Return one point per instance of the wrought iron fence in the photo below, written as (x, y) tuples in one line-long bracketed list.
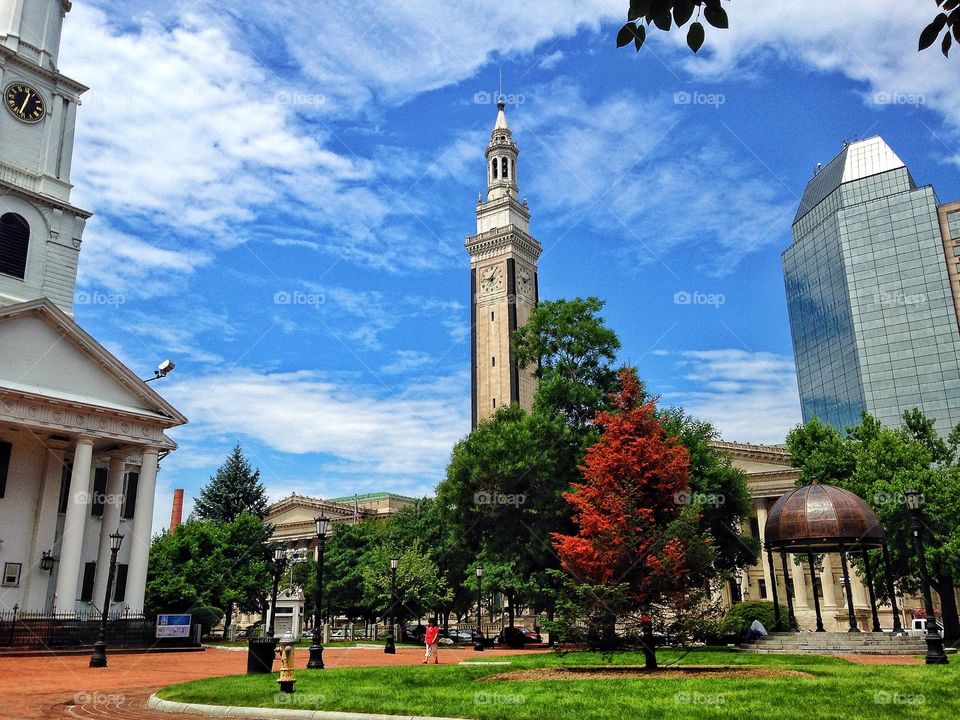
[(51, 630)]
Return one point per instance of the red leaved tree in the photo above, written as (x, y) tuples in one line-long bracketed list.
[(631, 549)]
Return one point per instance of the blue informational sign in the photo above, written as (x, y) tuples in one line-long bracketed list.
[(173, 626)]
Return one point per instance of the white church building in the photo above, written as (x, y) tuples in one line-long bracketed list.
[(80, 434)]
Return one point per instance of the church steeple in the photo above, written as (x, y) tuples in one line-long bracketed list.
[(502, 154)]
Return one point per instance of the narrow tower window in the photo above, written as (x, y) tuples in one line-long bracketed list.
[(491, 316), (503, 166), (494, 403), (493, 361), (14, 241), (494, 168)]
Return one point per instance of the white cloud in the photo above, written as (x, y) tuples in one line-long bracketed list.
[(407, 432), (871, 42), (634, 167), (747, 396)]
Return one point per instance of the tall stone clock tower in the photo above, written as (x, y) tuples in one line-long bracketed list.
[(503, 281), (40, 231)]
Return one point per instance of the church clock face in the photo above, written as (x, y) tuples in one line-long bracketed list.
[(491, 279), (25, 102)]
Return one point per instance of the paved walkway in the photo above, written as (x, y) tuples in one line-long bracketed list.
[(65, 687)]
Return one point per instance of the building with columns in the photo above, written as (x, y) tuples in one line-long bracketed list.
[(81, 435), (503, 281), (769, 476)]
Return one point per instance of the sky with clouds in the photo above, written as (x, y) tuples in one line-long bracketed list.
[(282, 191)]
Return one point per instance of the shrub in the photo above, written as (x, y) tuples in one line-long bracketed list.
[(206, 616), (739, 618)]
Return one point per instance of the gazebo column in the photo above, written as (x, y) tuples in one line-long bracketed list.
[(846, 585), (873, 596), (826, 582), (891, 591), (816, 599), (799, 586), (773, 587), (786, 582)]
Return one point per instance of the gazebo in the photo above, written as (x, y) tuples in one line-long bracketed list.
[(821, 518)]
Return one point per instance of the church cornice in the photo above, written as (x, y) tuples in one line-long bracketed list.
[(42, 199), (500, 241), (57, 78)]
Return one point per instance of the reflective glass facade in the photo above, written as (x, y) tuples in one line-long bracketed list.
[(871, 310)]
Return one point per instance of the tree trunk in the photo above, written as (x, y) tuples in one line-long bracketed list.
[(948, 609), (510, 613), (551, 642), (649, 648), (227, 618)]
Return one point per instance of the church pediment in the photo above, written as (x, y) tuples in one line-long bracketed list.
[(47, 355)]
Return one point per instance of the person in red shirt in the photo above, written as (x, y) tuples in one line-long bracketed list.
[(432, 639)]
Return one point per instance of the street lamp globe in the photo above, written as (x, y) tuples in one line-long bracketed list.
[(279, 554), (323, 524), (116, 540), (479, 571), (394, 562)]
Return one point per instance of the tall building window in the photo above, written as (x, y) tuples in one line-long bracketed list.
[(762, 586), (5, 449), (130, 483), (14, 242), (494, 165), (86, 587), (754, 528), (503, 167), (493, 361)]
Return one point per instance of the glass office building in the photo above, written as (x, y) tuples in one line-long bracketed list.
[(871, 308)]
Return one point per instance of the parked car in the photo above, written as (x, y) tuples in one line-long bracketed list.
[(517, 637), (462, 635)]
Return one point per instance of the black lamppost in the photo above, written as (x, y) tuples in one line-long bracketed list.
[(316, 648), (478, 646), (935, 653), (391, 648), (99, 657), (277, 567)]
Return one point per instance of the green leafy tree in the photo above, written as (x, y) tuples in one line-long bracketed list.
[(420, 586), (235, 489), (347, 553), (667, 14), (503, 492), (879, 464), (572, 351), (206, 563)]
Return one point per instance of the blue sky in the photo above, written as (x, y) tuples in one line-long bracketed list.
[(332, 155)]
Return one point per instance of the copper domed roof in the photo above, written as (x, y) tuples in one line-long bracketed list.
[(821, 518)]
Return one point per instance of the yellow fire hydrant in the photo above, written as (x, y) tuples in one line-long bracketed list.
[(285, 651)]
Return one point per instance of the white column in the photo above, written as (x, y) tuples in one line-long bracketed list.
[(71, 544), (859, 589), (109, 523), (799, 586), (765, 566), (826, 580), (139, 539)]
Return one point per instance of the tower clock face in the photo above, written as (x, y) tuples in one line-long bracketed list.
[(525, 282), (491, 279), (25, 102)]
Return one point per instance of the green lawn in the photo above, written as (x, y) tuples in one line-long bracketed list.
[(838, 689)]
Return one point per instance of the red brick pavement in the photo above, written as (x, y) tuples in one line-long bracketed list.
[(65, 687)]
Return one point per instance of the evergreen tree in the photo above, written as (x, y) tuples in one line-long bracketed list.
[(234, 489)]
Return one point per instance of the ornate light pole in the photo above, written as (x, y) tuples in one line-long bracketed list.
[(390, 648), (99, 657), (316, 648), (935, 653), (277, 567), (479, 644)]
